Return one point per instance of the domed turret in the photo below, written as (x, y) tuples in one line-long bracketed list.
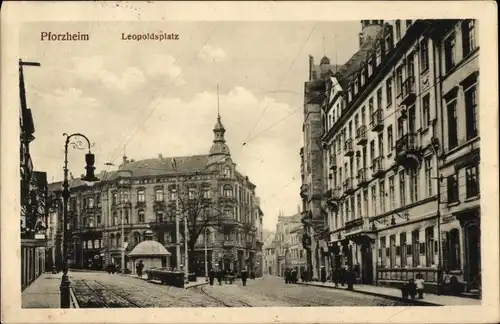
[(219, 149), (324, 60)]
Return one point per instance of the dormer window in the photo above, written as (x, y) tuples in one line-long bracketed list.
[(370, 66), (388, 40), (362, 78), (355, 84)]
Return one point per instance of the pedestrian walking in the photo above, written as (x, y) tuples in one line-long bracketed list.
[(244, 276), (138, 268), (211, 276), (219, 275), (336, 277), (409, 289), (351, 278), (419, 283), (323, 274), (294, 276)]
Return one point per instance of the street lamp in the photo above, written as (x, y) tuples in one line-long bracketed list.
[(77, 143), (206, 252), (439, 178)]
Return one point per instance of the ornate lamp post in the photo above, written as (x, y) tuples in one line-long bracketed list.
[(206, 252), (77, 143)]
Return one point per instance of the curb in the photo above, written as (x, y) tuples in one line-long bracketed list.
[(73, 300), (409, 301), (196, 285)]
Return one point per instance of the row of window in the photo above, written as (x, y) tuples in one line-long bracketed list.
[(375, 197), (471, 110), (408, 251), (469, 44)]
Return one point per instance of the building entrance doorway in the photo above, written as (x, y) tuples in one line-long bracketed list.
[(473, 242), (366, 264)]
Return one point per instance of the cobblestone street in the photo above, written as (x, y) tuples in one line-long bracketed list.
[(97, 290)]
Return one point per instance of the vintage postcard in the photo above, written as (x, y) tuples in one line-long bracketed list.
[(246, 162)]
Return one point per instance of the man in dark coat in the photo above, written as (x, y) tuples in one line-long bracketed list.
[(219, 274), (323, 274), (351, 278), (211, 276), (244, 276), (294, 276)]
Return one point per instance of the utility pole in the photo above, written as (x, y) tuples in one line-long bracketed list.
[(186, 259), (177, 230), (122, 211)]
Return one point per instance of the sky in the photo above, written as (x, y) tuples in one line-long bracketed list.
[(149, 97)]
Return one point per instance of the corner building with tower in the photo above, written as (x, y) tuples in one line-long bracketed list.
[(378, 171), (148, 194)]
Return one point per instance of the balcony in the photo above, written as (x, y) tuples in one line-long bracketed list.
[(378, 166), (305, 218), (332, 197), (358, 230), (304, 191), (89, 228), (361, 138), (306, 241), (348, 147), (140, 204), (348, 187), (230, 244), (249, 245), (159, 205), (408, 153), (229, 221), (333, 162), (362, 177), (377, 121), (408, 91)]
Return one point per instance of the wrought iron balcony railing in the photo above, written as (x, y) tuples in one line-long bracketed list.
[(361, 137)]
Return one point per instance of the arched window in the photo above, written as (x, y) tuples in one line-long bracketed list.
[(228, 212), (90, 220), (228, 191), (115, 218)]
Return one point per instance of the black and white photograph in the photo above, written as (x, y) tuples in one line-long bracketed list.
[(241, 163)]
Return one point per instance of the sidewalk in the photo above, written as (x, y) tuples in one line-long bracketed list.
[(44, 292), (393, 293)]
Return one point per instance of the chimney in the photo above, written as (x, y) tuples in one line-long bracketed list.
[(160, 156), (311, 66)]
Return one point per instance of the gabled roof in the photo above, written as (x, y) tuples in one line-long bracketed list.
[(147, 167), (347, 72)]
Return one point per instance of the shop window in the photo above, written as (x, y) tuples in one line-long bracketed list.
[(429, 243), (392, 240), (452, 250), (404, 249), (415, 248)]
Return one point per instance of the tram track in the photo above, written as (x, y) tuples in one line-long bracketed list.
[(244, 304), (101, 296)]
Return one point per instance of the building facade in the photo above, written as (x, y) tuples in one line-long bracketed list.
[(218, 202), (459, 167), (287, 244), (384, 147)]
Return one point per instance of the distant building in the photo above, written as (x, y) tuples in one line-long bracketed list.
[(286, 247), (219, 202)]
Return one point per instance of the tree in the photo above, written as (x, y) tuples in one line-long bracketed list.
[(199, 208)]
